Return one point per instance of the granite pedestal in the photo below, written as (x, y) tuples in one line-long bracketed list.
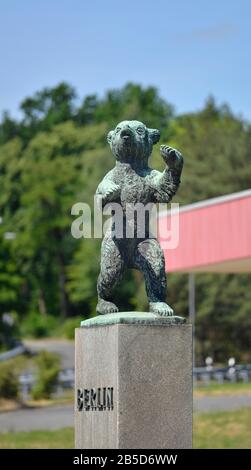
[(133, 382)]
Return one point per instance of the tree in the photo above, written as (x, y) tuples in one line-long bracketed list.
[(56, 155), (131, 102), (215, 145), (47, 108), (9, 128)]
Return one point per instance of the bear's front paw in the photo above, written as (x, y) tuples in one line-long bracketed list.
[(112, 191), (171, 156), (161, 308)]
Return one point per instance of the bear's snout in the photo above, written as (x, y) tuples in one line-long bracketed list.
[(126, 134)]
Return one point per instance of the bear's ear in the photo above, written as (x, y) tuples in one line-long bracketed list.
[(109, 137), (154, 135)]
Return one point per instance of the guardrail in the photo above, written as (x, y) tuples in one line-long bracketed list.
[(238, 373), (27, 380), (20, 349), (202, 375)]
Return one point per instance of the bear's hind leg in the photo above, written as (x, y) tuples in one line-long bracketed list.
[(150, 260), (112, 268)]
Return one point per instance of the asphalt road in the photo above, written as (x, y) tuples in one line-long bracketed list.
[(54, 417), (207, 404), (57, 417)]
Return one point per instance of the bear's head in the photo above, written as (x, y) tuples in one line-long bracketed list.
[(131, 142)]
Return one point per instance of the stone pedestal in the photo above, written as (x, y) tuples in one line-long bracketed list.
[(133, 383)]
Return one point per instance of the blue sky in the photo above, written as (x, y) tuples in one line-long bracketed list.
[(188, 49)]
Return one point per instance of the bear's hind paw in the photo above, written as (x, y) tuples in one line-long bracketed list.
[(161, 308), (104, 307)]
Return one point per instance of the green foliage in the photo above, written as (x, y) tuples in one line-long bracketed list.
[(223, 321), (8, 128), (36, 325), (215, 144), (130, 102), (9, 330), (48, 368), (8, 381), (47, 108), (56, 155), (68, 328)]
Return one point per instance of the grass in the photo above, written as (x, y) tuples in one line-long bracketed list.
[(215, 389), (60, 439), (221, 430)]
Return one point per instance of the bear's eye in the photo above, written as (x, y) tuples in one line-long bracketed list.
[(118, 129), (140, 130)]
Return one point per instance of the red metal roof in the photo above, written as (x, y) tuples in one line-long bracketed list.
[(214, 235)]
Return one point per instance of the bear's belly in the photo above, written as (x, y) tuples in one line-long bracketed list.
[(134, 190)]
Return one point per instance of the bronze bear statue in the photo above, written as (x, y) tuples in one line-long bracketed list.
[(131, 181)]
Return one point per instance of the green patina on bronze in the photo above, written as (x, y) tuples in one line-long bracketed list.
[(127, 318), (131, 181)]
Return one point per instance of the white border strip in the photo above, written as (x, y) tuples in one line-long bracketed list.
[(209, 202)]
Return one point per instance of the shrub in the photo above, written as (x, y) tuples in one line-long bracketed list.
[(9, 330), (48, 367), (8, 381), (38, 326), (68, 327)]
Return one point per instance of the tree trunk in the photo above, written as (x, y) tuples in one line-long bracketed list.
[(62, 282), (41, 302)]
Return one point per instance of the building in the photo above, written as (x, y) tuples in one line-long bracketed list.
[(214, 236)]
